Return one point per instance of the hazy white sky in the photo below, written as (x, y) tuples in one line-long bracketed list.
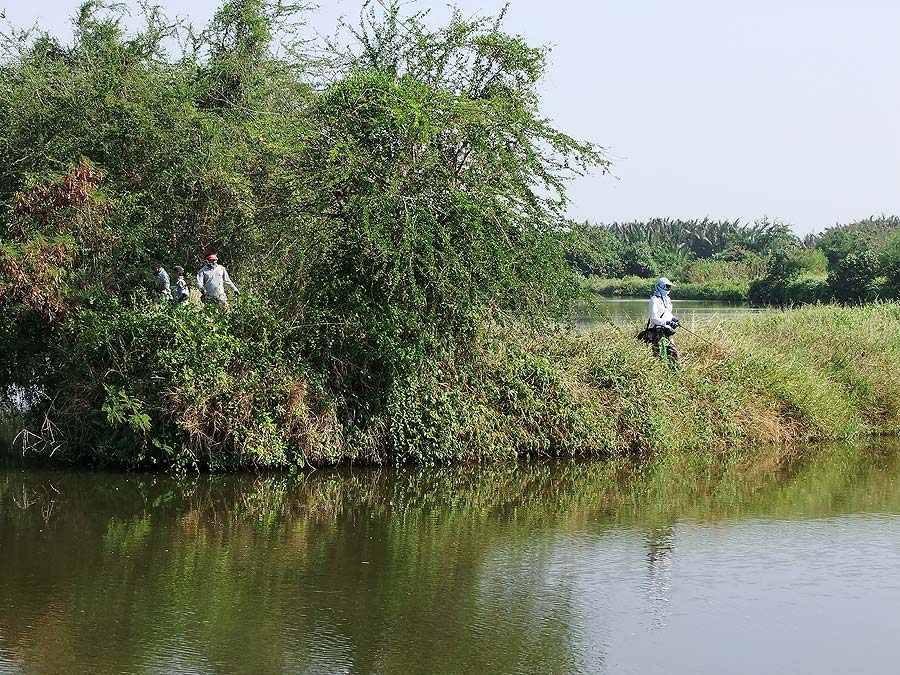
[(731, 109)]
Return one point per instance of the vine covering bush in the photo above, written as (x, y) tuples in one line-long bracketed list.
[(382, 204)]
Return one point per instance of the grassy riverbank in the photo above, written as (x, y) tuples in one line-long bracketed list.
[(807, 374), (800, 290), (392, 217), (640, 287), (817, 373)]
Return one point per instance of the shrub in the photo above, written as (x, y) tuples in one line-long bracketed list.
[(716, 270), (593, 251), (853, 278), (889, 265)]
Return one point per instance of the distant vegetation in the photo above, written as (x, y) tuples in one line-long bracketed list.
[(763, 262)]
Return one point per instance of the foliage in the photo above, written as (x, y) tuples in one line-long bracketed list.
[(440, 191), (703, 238), (593, 251), (383, 205), (811, 261), (772, 288), (143, 383), (837, 241), (395, 218), (643, 287), (638, 260), (766, 258), (853, 278), (807, 289), (735, 264), (889, 265)]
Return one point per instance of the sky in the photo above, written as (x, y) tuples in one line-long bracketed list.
[(729, 109)]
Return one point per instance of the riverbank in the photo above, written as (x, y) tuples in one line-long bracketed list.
[(781, 377), (639, 287), (777, 377), (803, 289)]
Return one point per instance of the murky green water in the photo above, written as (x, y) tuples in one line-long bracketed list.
[(626, 311), (537, 568)]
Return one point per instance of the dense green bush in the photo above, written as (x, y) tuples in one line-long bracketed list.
[(227, 389), (807, 289), (638, 260), (593, 251), (733, 265), (772, 287), (853, 278), (889, 266), (383, 203)]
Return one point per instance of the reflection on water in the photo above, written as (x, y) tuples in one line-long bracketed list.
[(563, 567), (660, 554), (626, 311)]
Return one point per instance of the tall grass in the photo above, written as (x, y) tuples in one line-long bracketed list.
[(783, 377), (780, 376)]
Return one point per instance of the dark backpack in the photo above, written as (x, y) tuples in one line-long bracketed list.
[(646, 335)]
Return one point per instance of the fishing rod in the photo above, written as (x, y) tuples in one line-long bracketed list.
[(690, 332)]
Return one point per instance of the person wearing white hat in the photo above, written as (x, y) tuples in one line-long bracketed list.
[(662, 323)]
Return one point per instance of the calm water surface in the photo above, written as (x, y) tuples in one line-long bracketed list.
[(624, 311), (541, 568)]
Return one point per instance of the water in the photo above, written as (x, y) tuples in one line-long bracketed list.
[(561, 567), (624, 311)]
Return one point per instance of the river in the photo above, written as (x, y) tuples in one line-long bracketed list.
[(560, 567), (625, 311)]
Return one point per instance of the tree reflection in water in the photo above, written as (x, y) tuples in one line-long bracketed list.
[(442, 570), (660, 554)]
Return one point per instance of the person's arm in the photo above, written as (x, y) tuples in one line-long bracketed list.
[(200, 282), (228, 282)]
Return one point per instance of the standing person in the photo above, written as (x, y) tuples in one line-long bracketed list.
[(161, 284), (662, 323), (182, 294), (212, 280)]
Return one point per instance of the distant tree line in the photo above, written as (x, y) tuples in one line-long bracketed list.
[(851, 263)]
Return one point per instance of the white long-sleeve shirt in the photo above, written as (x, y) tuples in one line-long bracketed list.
[(181, 290), (660, 310), (212, 281), (161, 281)]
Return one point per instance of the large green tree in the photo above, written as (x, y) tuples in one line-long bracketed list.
[(383, 204)]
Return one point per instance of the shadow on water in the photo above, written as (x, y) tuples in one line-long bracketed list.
[(483, 569)]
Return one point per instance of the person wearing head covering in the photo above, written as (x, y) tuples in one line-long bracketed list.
[(182, 294), (212, 280), (161, 284), (662, 323)]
